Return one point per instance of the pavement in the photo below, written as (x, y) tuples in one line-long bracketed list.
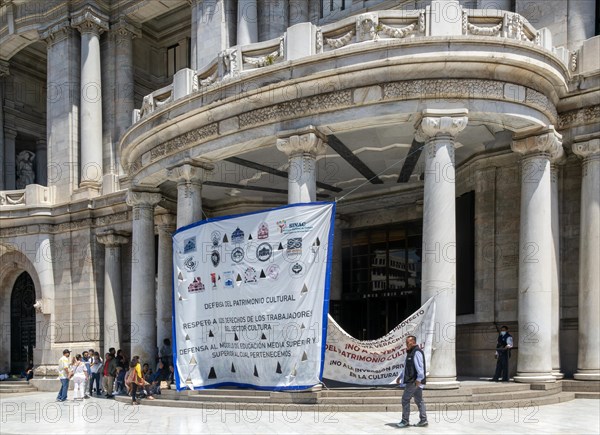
[(39, 413)]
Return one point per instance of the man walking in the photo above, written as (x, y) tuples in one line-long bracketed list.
[(63, 375), (109, 371), (413, 378), (503, 347)]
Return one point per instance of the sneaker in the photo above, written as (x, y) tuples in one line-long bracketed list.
[(403, 424), (422, 423)]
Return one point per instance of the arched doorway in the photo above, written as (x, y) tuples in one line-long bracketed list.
[(22, 323)]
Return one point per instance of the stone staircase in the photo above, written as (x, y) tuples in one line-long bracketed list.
[(16, 386), (472, 395)]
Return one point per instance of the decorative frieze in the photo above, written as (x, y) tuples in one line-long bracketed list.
[(184, 141), (578, 117)]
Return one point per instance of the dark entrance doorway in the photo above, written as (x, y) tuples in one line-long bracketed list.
[(22, 323)]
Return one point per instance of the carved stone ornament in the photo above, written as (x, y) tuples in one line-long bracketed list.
[(547, 141), (136, 198), (190, 172), (587, 149), (300, 142), (90, 20), (441, 123), (112, 238)]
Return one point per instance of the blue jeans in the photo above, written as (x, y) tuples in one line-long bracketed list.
[(64, 387), (95, 377)]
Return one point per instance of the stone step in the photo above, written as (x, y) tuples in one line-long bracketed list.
[(581, 386), (15, 389), (587, 395), (524, 405)]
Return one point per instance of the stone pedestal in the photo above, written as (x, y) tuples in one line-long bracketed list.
[(535, 255), (143, 303), (438, 129), (588, 359), (113, 299), (189, 178), (302, 147), (164, 300), (91, 24), (247, 22)]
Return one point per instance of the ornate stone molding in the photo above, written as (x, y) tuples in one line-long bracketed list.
[(588, 149), (441, 123), (124, 30), (56, 32), (112, 239), (89, 20), (142, 199), (190, 173), (577, 117), (307, 141), (547, 141)]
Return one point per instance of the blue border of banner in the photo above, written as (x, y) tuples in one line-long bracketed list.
[(325, 301)]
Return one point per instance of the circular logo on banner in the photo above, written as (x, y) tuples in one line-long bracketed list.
[(297, 269), (237, 255), (216, 238), (264, 251), (215, 257), (190, 264), (273, 271)]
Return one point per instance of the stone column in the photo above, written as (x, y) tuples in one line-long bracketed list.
[(41, 162), (247, 19), (62, 108), (143, 302), (438, 129), (10, 171), (272, 19), (210, 31), (555, 278), (124, 33), (91, 24), (588, 360), (164, 302), (302, 147), (4, 71), (298, 11), (189, 178), (113, 299), (337, 278), (535, 255)]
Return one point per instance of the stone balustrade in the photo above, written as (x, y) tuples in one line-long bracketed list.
[(33, 195), (379, 27)]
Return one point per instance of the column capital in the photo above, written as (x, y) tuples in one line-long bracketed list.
[(441, 122), (137, 198), (4, 68), (56, 32), (546, 141), (89, 20), (123, 29), (190, 172), (587, 148), (112, 238), (307, 140), (41, 143)]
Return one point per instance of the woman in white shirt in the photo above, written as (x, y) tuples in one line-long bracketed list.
[(80, 375)]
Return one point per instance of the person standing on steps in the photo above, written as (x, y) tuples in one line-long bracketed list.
[(503, 347), (413, 378), (63, 375)]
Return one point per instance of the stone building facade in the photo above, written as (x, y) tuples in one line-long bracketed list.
[(461, 142)]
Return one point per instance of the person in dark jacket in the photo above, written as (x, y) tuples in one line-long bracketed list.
[(413, 378), (503, 347)]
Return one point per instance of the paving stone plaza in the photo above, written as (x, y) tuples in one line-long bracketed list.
[(38, 413)]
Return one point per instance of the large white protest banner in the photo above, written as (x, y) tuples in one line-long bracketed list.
[(250, 298), (377, 362)]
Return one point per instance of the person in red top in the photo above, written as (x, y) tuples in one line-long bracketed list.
[(109, 370)]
